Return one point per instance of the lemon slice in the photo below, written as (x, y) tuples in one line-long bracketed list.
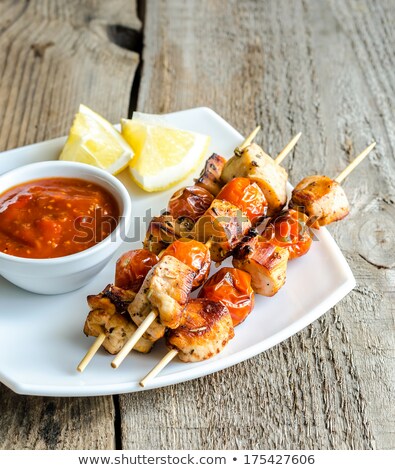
[(94, 141), (164, 155)]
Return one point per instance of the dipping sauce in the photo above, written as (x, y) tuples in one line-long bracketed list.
[(55, 217)]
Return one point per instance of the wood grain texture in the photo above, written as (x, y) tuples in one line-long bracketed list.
[(54, 55), (326, 69)]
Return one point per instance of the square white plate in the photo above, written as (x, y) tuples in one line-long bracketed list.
[(41, 336)]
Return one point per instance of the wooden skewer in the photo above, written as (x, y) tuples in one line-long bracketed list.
[(91, 352), (173, 352), (131, 342), (286, 150), (160, 366), (355, 163), (247, 141), (129, 345)]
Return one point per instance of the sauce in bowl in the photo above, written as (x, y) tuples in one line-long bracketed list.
[(55, 217)]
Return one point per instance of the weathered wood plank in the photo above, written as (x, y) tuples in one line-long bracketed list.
[(325, 68), (54, 55)]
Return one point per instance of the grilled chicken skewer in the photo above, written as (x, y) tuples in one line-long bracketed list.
[(253, 163), (288, 236), (190, 254), (190, 203), (207, 329), (109, 322), (322, 199), (267, 261), (160, 302), (131, 269), (163, 230), (154, 242), (187, 205), (228, 218)]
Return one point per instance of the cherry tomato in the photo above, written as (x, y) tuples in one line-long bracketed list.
[(132, 267), (232, 288), (194, 254), (191, 202), (289, 230), (247, 196)]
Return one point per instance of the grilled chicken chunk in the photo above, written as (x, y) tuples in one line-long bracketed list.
[(107, 316), (265, 262), (112, 299), (165, 291), (224, 225), (255, 164), (210, 178), (161, 232), (321, 198), (207, 329)]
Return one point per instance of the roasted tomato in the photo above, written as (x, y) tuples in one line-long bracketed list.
[(132, 267), (290, 230), (190, 202), (194, 254), (247, 196), (232, 288)]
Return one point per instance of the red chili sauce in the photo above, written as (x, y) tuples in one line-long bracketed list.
[(55, 217)]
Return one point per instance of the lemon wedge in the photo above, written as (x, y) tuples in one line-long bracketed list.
[(164, 156), (94, 141)]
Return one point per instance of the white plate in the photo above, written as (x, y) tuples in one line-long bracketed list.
[(41, 336)]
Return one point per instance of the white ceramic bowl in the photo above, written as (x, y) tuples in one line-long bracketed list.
[(68, 273)]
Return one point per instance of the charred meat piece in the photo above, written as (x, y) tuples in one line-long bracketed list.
[(165, 291), (321, 199), (108, 316), (254, 164), (265, 262), (112, 299), (223, 225), (161, 232), (210, 178), (206, 331)]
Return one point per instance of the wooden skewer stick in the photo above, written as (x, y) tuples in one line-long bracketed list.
[(173, 352), (91, 352), (160, 366), (247, 141), (128, 346), (286, 150), (131, 342), (355, 163)]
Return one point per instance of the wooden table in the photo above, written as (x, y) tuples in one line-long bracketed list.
[(326, 68)]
